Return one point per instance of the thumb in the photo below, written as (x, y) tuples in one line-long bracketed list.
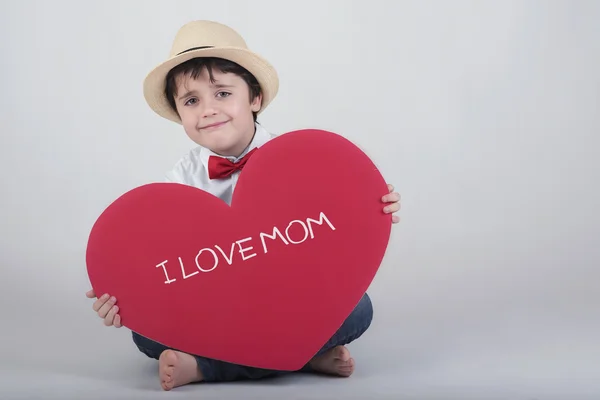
[(90, 294)]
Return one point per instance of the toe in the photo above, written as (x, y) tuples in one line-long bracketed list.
[(342, 353), (346, 367), (167, 372), (167, 381), (346, 355), (167, 361)]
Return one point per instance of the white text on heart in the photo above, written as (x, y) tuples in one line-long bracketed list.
[(306, 226)]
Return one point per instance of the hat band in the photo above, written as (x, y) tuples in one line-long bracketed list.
[(196, 48)]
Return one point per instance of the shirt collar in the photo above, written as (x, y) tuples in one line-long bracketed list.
[(261, 136)]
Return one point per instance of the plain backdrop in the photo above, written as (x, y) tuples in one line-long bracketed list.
[(485, 115)]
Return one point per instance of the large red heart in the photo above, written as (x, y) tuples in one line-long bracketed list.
[(265, 282)]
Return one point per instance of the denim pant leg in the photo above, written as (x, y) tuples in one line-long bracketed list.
[(353, 327), (220, 371)]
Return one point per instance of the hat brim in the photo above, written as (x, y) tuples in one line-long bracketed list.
[(263, 71)]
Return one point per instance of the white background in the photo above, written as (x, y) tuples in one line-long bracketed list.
[(485, 115)]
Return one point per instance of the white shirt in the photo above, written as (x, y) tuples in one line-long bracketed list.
[(192, 169)]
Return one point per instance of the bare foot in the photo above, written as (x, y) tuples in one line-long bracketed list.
[(336, 361), (177, 369)]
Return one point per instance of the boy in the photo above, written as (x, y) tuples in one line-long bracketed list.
[(215, 88)]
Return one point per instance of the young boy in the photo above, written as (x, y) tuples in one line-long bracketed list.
[(215, 88)]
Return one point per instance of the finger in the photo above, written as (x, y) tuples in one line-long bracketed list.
[(390, 198), (106, 307), (117, 322), (392, 208), (395, 219), (108, 320), (90, 294), (390, 188), (100, 302)]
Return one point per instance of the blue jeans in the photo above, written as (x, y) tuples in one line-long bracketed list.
[(219, 371)]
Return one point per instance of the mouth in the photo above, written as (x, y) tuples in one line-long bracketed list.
[(213, 126)]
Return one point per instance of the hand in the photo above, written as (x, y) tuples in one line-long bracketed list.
[(393, 200), (106, 309)]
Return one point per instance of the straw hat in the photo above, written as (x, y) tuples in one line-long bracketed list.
[(208, 39)]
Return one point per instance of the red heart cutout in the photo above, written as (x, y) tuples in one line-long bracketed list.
[(265, 282)]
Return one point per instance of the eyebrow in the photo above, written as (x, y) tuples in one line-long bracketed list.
[(222, 85), (216, 85), (191, 92)]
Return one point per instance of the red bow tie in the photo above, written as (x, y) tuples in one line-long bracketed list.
[(220, 167)]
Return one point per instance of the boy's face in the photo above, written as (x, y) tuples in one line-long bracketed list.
[(217, 115)]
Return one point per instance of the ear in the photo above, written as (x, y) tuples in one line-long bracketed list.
[(256, 103)]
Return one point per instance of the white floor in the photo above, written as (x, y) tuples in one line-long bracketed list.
[(137, 381), (70, 356)]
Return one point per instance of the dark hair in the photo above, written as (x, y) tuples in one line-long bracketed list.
[(195, 66)]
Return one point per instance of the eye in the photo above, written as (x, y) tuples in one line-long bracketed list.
[(223, 94), (189, 102)]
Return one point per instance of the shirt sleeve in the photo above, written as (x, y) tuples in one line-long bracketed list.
[(175, 175), (182, 171)]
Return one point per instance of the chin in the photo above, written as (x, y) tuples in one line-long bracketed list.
[(221, 149)]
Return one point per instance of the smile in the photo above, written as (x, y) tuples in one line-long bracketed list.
[(213, 126)]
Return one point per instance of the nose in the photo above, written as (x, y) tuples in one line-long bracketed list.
[(208, 109)]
